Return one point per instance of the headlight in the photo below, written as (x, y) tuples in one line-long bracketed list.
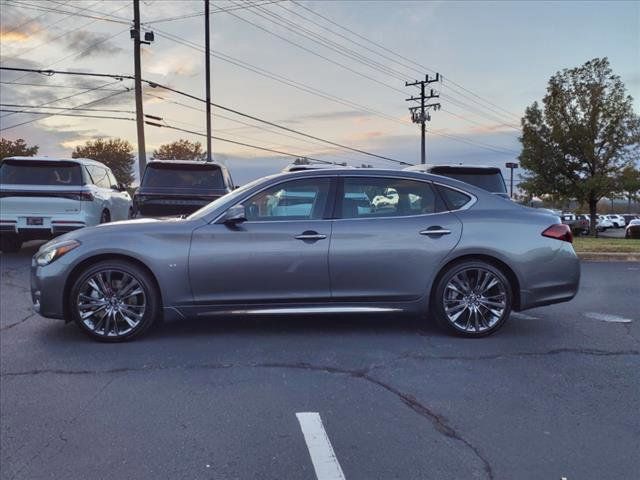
[(55, 251)]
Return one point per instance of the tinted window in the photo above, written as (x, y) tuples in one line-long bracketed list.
[(365, 197), (182, 176), (454, 198), (294, 200), (489, 180), (20, 172), (99, 176)]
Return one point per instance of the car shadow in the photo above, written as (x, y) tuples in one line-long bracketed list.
[(296, 325)]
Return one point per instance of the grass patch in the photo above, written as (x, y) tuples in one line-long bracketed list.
[(614, 245)]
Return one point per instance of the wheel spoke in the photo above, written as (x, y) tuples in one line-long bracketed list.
[(111, 303), (474, 300)]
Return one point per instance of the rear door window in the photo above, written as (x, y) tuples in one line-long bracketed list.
[(369, 197), (100, 176), (21, 172)]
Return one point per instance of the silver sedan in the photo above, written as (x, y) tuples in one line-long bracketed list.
[(324, 241)]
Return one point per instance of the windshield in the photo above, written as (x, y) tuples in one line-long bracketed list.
[(489, 181), (229, 197), (182, 176), (62, 174)]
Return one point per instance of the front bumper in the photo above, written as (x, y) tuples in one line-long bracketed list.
[(47, 288)]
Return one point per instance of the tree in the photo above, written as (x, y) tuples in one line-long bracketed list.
[(115, 153), (17, 148), (180, 150), (629, 184), (582, 138)]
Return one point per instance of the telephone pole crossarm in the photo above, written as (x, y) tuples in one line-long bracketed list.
[(420, 113)]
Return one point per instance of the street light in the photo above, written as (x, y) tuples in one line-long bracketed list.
[(511, 166)]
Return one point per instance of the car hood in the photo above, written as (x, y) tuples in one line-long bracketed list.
[(126, 227)]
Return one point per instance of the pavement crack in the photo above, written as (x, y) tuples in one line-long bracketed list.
[(22, 320)]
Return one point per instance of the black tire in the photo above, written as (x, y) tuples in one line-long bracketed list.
[(105, 217), (503, 288), (150, 294), (130, 214), (10, 243)]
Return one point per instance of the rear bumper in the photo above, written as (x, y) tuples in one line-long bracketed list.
[(51, 226), (547, 289)]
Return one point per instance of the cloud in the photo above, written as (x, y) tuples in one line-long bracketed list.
[(175, 63), (19, 31), (337, 115), (87, 43)]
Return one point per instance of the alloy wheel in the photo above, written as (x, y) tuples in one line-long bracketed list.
[(475, 300), (111, 303)]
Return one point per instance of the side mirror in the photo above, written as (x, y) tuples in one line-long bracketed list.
[(235, 215)]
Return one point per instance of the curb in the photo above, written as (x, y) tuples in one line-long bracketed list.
[(609, 257)]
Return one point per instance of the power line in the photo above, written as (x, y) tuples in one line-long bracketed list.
[(231, 110), (16, 3), (67, 97), (200, 14), (420, 67), (238, 143), (13, 105), (69, 109), (67, 115), (77, 87), (33, 19), (313, 91)]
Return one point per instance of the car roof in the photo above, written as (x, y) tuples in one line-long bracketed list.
[(381, 172), (43, 158), (182, 162), (425, 167)]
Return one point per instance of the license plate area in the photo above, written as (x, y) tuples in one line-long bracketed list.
[(35, 221)]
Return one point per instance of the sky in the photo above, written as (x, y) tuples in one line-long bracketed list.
[(340, 66)]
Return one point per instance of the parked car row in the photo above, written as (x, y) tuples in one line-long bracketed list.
[(42, 197)]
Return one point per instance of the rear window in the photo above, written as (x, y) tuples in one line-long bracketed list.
[(40, 173), (183, 176), (454, 198), (489, 180)]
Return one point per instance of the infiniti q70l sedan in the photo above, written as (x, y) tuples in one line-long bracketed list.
[(320, 241)]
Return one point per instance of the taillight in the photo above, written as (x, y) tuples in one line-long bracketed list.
[(85, 196), (559, 231)]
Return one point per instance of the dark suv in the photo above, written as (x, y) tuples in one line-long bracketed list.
[(179, 187), (486, 178)]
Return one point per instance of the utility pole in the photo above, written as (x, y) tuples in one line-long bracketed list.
[(135, 34), (207, 62), (511, 166), (420, 113)]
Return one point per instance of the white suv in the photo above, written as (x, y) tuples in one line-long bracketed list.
[(617, 221), (42, 197)]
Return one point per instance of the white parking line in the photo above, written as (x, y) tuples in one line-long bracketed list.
[(606, 317), (323, 458)]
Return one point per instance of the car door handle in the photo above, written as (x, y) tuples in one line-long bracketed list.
[(435, 231), (310, 236)]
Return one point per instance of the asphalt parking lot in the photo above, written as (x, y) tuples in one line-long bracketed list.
[(555, 394)]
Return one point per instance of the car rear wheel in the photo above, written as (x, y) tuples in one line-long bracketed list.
[(472, 299), (114, 301), (10, 243)]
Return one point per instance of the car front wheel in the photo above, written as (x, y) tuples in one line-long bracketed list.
[(114, 301), (472, 299)]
